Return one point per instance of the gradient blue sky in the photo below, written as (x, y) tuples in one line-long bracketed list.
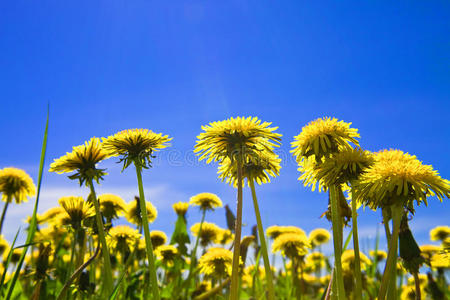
[(109, 65)]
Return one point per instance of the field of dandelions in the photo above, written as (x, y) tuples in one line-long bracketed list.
[(76, 250)]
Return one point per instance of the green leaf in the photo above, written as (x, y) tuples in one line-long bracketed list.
[(180, 235)]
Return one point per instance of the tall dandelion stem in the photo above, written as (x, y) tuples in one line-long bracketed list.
[(337, 240), (5, 208), (269, 279), (101, 235), (194, 251), (234, 292), (148, 241), (358, 291), (390, 269)]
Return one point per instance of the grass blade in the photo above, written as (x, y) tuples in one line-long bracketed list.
[(7, 261), (32, 228), (347, 240)]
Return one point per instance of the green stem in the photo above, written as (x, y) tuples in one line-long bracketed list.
[(81, 239), (337, 240), (295, 281), (358, 287), (148, 241), (194, 254), (71, 265), (389, 274), (417, 285), (108, 283), (288, 281), (5, 208), (262, 239), (234, 291)]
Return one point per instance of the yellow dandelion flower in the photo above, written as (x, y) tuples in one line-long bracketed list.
[(428, 251), (54, 233), (141, 250), (66, 258), (423, 280), (316, 259), (446, 243), (15, 255), (202, 287), (77, 210), (83, 159), (398, 177), (322, 137), (325, 280), (339, 168), (309, 279), (379, 255), (16, 184), (122, 238), (319, 236), (250, 272), (348, 260), (158, 238), (52, 213), (206, 201), (133, 214), (135, 145), (291, 244), (4, 245), (167, 254), (440, 233), (180, 208), (409, 292), (225, 236), (112, 206), (258, 169), (236, 138), (209, 233), (216, 263), (440, 260), (39, 219), (275, 230)]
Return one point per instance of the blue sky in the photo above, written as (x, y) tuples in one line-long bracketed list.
[(105, 66)]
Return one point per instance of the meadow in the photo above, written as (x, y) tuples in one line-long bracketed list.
[(77, 250)]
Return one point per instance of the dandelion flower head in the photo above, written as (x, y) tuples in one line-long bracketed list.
[(398, 177), (135, 145), (236, 138), (217, 263), (112, 206), (322, 137), (16, 184), (83, 159), (206, 201)]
